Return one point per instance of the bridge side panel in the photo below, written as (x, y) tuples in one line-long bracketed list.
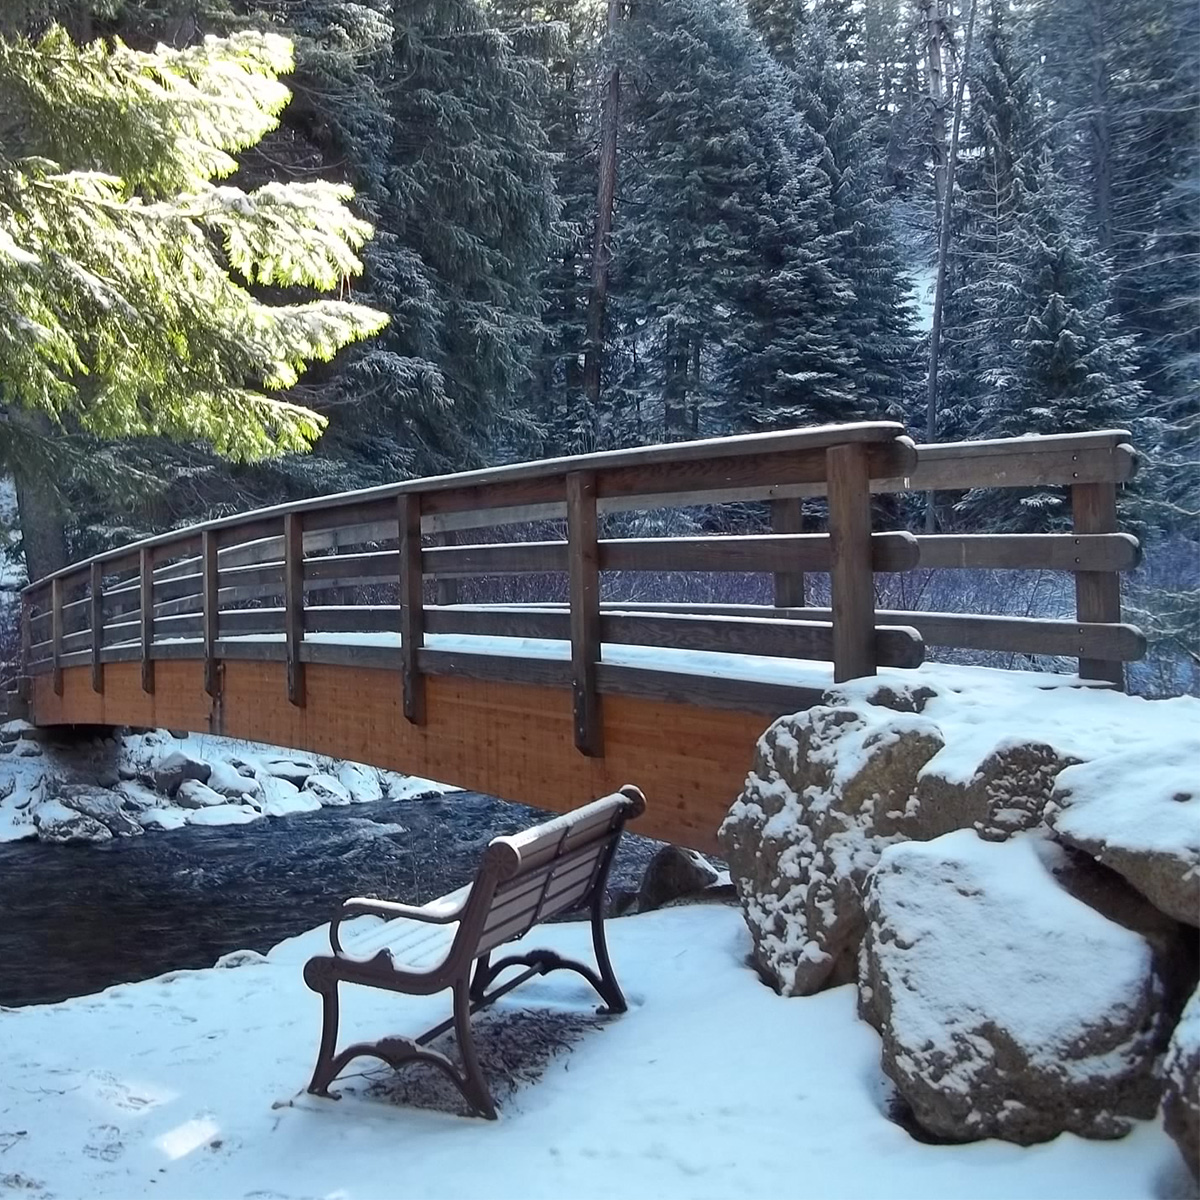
[(515, 741)]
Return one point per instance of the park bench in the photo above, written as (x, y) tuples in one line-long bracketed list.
[(551, 868)]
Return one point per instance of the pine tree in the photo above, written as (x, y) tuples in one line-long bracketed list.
[(731, 299), (833, 110), (125, 313)]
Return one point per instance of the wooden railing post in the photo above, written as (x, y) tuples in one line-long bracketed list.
[(851, 580), (210, 583), (412, 604), (583, 562), (293, 604), (56, 632), (24, 685), (146, 599), (1097, 593), (787, 516), (97, 613)]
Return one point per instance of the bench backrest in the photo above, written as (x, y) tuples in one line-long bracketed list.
[(550, 868)]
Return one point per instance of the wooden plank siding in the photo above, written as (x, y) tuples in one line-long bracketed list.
[(514, 741)]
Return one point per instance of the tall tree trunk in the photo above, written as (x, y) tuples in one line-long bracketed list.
[(39, 509), (939, 291), (935, 30), (606, 189), (1099, 133)]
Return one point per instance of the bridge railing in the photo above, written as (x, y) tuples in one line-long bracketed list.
[(247, 587)]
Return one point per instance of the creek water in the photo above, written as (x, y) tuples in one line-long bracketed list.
[(76, 919)]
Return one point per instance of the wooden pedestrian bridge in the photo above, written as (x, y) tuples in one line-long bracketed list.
[(532, 632)]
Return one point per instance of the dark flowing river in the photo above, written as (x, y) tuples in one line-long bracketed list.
[(76, 919)]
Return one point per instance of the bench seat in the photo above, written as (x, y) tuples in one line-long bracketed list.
[(555, 867)]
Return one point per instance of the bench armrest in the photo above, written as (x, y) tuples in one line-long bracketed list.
[(443, 911)]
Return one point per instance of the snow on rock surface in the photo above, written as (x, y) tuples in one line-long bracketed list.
[(883, 762), (177, 767), (129, 1094), (230, 782), (194, 794), (328, 789), (57, 823), (279, 798), (1181, 1093), (362, 782), (1140, 815), (224, 814), (1008, 1008), (103, 805)]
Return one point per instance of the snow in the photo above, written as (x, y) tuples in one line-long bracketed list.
[(959, 912), (190, 1086), (164, 818), (1142, 802), (223, 814)]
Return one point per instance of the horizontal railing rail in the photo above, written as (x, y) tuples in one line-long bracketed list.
[(299, 583)]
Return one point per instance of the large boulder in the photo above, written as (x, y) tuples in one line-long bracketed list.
[(56, 822), (175, 768), (1181, 1091), (1007, 1006), (1139, 815), (104, 806), (294, 770), (830, 788), (279, 798)]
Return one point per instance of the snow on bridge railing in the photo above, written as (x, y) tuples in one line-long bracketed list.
[(183, 594)]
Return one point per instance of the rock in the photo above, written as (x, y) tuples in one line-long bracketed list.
[(57, 823), (280, 798), (361, 782), (1181, 1091), (241, 958), (176, 768), (673, 873), (7, 787), (1142, 819), (293, 770), (107, 777), (11, 730), (1007, 1007), (830, 788), (25, 748), (194, 794), (230, 782), (126, 773), (104, 806), (136, 796), (331, 792), (164, 818), (224, 814)]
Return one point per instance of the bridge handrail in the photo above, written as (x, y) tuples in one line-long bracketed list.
[(182, 582)]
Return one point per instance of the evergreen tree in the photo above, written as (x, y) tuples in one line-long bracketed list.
[(731, 298), (125, 313)]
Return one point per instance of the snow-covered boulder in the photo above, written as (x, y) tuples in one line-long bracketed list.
[(294, 770), (230, 782), (673, 873), (279, 798), (105, 806), (1141, 817), (1008, 1007), (1181, 1091), (57, 823), (224, 814), (164, 818), (175, 768), (362, 782), (136, 796), (830, 788), (329, 790), (194, 794)]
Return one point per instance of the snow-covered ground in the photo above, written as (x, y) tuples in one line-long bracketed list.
[(190, 1087)]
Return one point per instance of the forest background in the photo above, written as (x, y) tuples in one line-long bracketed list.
[(602, 223)]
